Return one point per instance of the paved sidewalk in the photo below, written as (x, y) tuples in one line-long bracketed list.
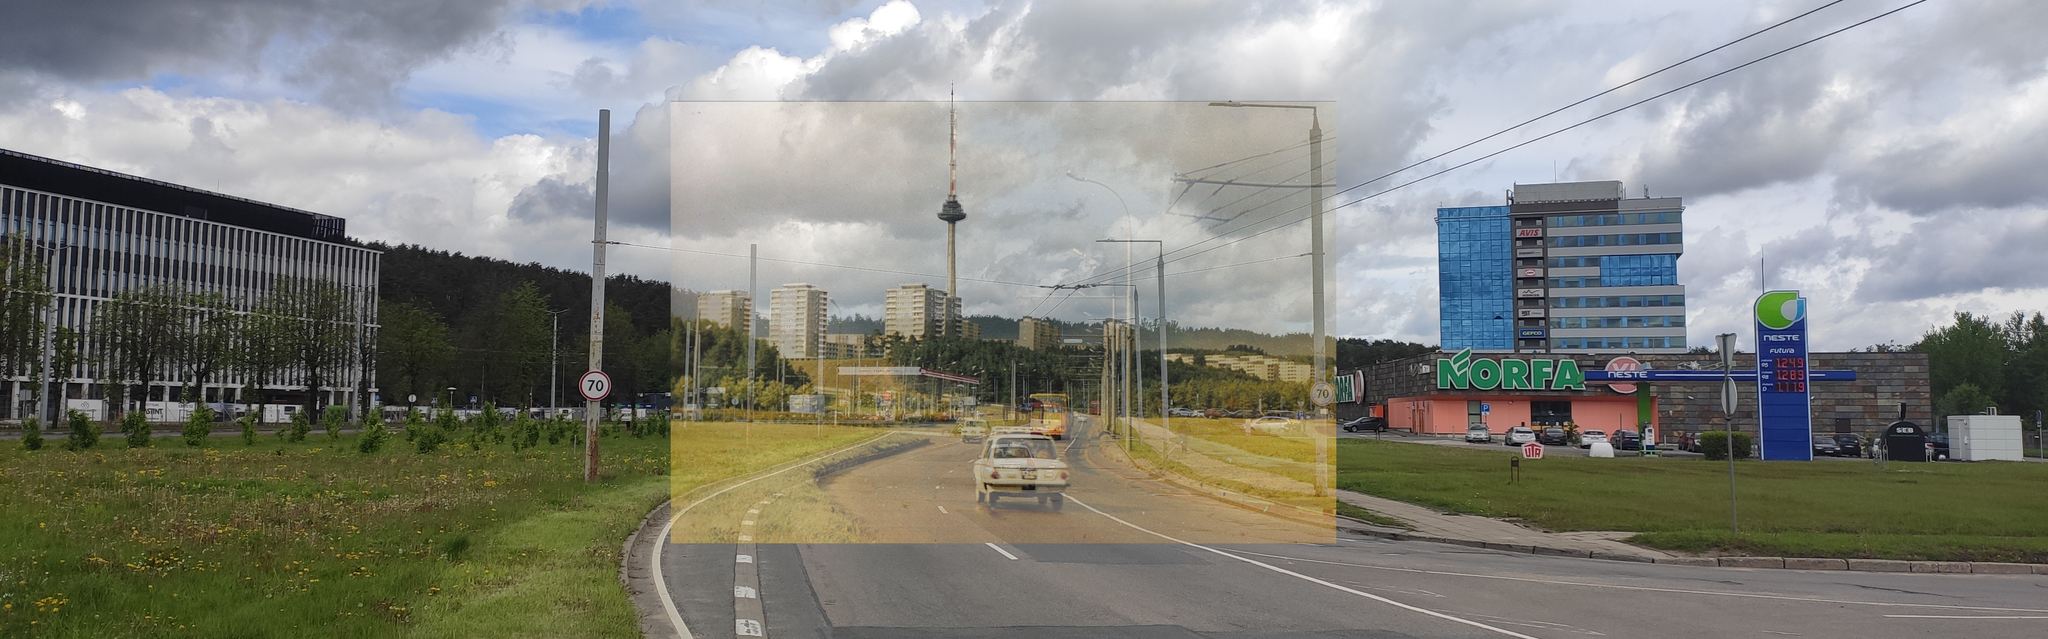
[(1474, 529)]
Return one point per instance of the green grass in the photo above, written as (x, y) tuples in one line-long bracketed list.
[(316, 539), (1987, 511), (1143, 450), (1370, 517)]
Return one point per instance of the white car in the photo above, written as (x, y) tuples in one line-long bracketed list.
[(1268, 425), (1519, 435), (1017, 465), (1587, 438), (972, 430)]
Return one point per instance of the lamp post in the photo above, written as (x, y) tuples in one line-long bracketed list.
[(554, 360), (1159, 268)]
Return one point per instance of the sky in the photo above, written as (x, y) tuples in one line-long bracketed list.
[(1891, 171)]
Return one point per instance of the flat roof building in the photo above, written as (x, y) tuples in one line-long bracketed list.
[(1569, 267), (729, 309), (106, 233), (796, 320), (917, 310)]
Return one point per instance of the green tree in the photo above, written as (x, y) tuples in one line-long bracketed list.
[(210, 341), (516, 344), (1971, 351), (319, 334), (140, 333), (84, 433), (24, 297), (2026, 365), (261, 354), (413, 350), (1964, 399)]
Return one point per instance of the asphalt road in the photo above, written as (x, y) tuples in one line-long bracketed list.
[(1105, 567)]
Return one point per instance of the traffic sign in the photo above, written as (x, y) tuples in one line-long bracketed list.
[(1532, 450), (1728, 397), (1322, 393), (1485, 408), (595, 386)]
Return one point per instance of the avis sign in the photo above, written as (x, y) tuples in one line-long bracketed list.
[(1462, 372)]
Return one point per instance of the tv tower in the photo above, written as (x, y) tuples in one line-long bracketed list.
[(951, 211)]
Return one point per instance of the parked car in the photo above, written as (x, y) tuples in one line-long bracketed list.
[(1182, 412), (1587, 438), (1554, 436), (1850, 445), (1627, 440), (1478, 433), (1367, 424), (1215, 413), (1519, 435), (1018, 465), (1824, 446), (1269, 425), (1940, 442)]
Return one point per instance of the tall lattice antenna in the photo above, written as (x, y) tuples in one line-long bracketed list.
[(952, 144)]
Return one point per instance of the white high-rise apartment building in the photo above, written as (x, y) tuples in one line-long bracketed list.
[(917, 310), (729, 309), (797, 320)]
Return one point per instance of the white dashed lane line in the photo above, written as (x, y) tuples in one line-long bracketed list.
[(999, 549)]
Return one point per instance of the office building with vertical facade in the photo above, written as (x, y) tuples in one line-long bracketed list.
[(109, 232), (1575, 267), (1038, 334), (729, 309), (797, 320)]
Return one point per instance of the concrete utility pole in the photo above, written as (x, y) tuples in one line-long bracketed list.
[(555, 361), (592, 409), (1315, 214), (751, 337)]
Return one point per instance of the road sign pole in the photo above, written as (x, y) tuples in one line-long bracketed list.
[(1726, 342)]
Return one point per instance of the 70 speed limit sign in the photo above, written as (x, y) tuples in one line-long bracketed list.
[(595, 385)]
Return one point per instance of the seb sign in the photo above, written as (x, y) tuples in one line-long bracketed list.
[(1462, 372)]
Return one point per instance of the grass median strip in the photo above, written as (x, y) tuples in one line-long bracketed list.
[(1933, 511)]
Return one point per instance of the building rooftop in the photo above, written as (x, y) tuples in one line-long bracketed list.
[(84, 182)]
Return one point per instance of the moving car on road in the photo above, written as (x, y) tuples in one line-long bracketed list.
[(1587, 438), (1478, 433), (972, 429), (1016, 465)]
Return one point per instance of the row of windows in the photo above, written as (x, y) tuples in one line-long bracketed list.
[(1475, 277), (1621, 321), (1625, 239), (1617, 342), (1616, 219), (1639, 270), (1617, 301), (1575, 282)]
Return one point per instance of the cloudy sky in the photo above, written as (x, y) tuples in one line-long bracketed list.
[(1892, 172)]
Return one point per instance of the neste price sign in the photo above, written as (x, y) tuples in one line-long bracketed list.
[(1784, 407)]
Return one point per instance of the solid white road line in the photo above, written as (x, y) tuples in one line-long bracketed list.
[(1958, 617), (1307, 578), (668, 605), (999, 549), (1681, 591)]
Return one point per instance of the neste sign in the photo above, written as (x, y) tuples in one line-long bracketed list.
[(1462, 372)]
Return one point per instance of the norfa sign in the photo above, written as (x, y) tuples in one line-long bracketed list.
[(1462, 372)]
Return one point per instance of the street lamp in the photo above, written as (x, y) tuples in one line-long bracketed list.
[(1315, 213), (554, 359), (1128, 224), (1159, 268), (451, 400)]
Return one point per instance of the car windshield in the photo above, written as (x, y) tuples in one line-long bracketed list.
[(1592, 433), (1024, 449), (1819, 439)]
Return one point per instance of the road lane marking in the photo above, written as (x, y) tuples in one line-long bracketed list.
[(745, 592), (1961, 617), (746, 627), (1681, 591), (999, 549), (743, 559), (1307, 578), (942, 511), (668, 604)]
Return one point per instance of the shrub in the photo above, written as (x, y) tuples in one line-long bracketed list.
[(332, 420), (413, 423), (198, 427), (296, 431), (1714, 444), (136, 424), (429, 438), (373, 436), (84, 433), (31, 434), (248, 423)]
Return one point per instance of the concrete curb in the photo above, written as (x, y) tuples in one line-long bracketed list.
[(1775, 563)]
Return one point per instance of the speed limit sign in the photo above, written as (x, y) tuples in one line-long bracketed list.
[(595, 385)]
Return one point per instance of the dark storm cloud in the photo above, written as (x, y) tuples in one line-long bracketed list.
[(352, 52), (553, 196)]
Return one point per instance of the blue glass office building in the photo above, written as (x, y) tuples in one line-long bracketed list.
[(1568, 267), (1475, 256)]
